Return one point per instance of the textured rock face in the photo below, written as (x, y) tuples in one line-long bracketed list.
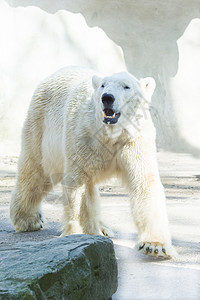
[(74, 267), (157, 38)]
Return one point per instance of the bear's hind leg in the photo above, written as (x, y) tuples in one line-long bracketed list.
[(30, 188)]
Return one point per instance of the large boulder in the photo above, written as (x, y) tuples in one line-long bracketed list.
[(74, 267)]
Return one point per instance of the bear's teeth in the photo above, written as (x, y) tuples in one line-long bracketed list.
[(109, 117)]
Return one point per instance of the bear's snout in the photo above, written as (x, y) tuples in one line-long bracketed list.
[(108, 100)]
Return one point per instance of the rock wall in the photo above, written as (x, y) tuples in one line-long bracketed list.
[(148, 38)]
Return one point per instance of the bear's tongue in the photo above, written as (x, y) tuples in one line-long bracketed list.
[(109, 113)]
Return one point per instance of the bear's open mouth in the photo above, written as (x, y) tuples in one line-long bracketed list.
[(110, 117)]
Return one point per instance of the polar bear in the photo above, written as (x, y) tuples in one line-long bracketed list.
[(83, 128)]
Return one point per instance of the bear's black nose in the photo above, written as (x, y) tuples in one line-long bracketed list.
[(107, 99)]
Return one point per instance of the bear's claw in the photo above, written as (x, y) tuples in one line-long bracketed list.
[(156, 249)]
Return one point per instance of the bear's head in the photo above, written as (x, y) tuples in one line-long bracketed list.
[(122, 100)]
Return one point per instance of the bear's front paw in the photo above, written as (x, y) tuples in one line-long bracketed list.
[(72, 227), (29, 223), (106, 231), (156, 249)]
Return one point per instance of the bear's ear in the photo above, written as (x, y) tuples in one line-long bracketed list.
[(148, 85), (96, 81)]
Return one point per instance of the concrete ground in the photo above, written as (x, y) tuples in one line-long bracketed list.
[(139, 277)]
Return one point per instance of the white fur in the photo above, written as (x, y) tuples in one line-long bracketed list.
[(64, 138)]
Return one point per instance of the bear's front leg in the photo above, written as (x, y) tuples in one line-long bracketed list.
[(148, 206), (71, 200), (81, 206), (90, 210), (150, 215)]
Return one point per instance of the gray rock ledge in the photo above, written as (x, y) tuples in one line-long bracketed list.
[(75, 267)]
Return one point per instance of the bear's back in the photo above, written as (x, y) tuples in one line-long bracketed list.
[(56, 88)]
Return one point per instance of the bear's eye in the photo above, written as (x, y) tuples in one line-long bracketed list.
[(126, 87), (102, 85)]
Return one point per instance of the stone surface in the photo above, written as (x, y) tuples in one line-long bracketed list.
[(139, 277), (75, 267)]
